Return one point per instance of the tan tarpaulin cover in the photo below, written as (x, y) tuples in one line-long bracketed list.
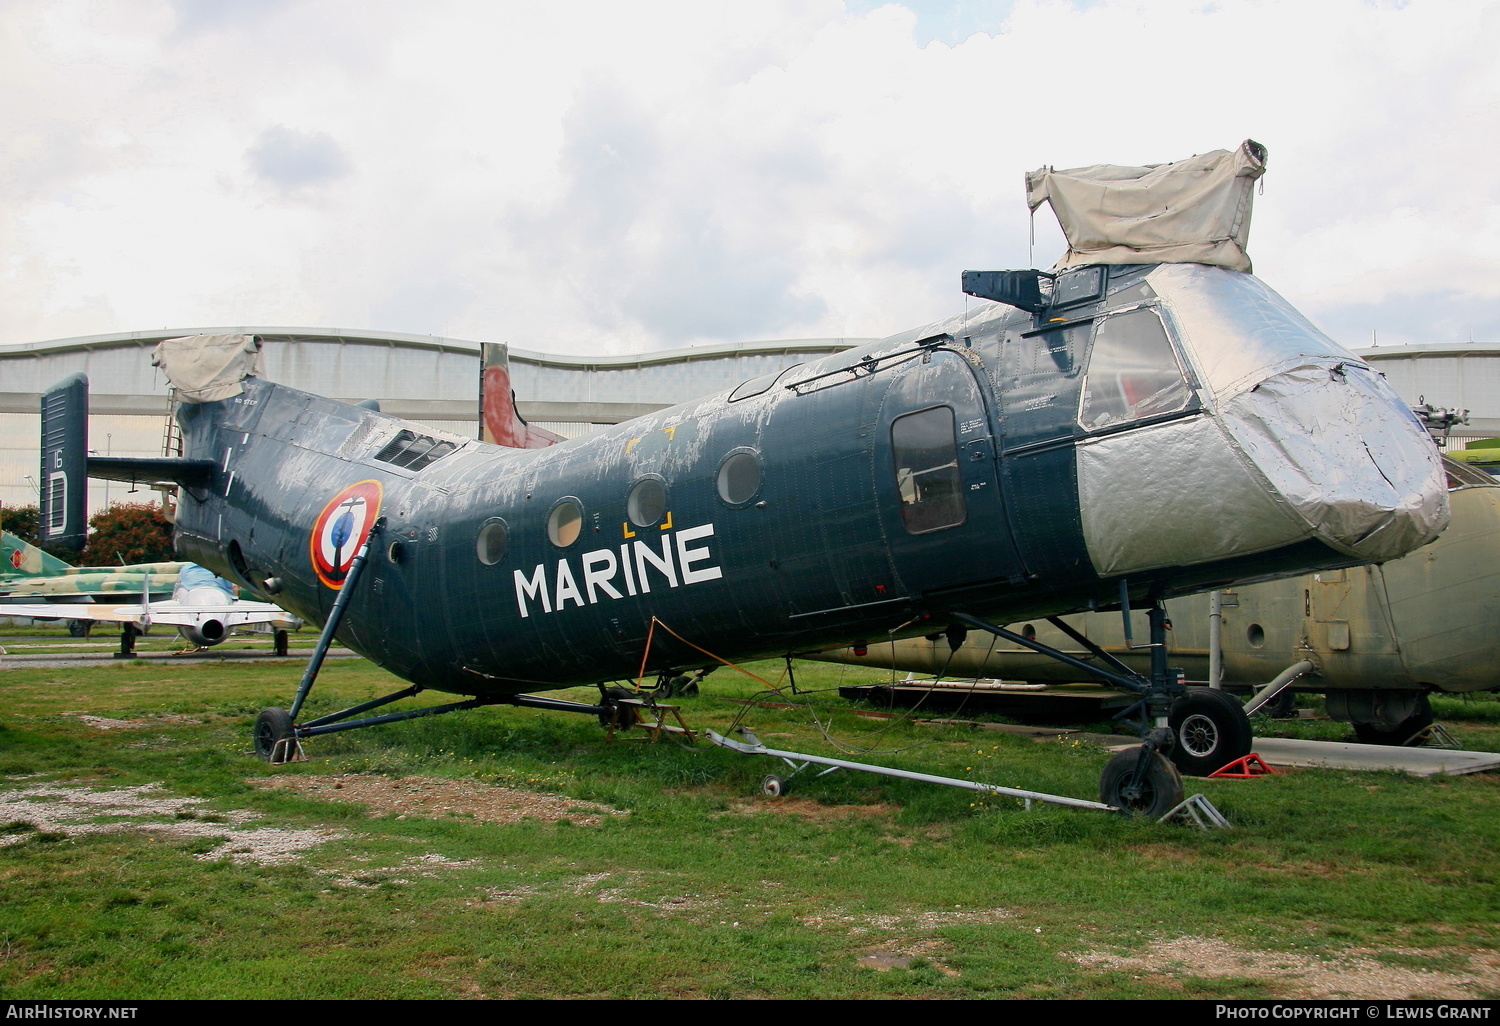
[(207, 368), (1194, 211)]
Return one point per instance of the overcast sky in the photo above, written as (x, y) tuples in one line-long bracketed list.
[(623, 176)]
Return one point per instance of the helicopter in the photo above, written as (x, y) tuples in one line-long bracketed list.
[(1142, 421)]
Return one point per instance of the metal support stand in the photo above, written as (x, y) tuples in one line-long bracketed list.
[(288, 749), (649, 716), (1434, 735), (279, 638), (1200, 812)]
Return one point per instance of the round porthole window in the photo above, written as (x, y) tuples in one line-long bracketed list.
[(646, 503), (1256, 635), (490, 545), (564, 523), (739, 478)]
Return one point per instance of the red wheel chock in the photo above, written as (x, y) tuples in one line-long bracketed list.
[(1244, 768)]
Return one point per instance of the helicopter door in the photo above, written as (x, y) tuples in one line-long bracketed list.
[(945, 519)]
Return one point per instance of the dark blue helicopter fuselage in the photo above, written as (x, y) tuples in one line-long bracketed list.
[(878, 490)]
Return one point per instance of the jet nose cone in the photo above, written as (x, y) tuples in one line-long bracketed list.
[(1343, 449)]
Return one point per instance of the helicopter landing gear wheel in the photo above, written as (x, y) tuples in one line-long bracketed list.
[(271, 727), (1212, 731), (772, 786), (1159, 792), (1380, 734), (1283, 706)]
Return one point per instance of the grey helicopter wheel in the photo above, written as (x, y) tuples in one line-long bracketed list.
[(1380, 734), (1212, 731), (772, 786), (1283, 706), (271, 726), (1160, 792)]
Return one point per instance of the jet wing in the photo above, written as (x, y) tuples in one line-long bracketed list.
[(176, 614)]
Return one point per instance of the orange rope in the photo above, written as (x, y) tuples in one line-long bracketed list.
[(646, 654)]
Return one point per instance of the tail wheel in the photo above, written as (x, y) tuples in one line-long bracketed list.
[(1158, 793), (1212, 731), (271, 726), (772, 786), (1380, 734), (1283, 706)]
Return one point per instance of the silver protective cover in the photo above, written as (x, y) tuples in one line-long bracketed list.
[(1300, 439)]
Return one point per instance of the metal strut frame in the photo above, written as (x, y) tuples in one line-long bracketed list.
[(337, 721), (335, 615), (1157, 692)]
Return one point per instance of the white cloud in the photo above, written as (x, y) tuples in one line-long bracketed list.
[(603, 177)]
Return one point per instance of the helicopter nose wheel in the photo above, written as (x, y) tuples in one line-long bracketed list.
[(1158, 791)]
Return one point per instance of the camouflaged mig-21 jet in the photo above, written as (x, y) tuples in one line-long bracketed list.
[(198, 605), (28, 574)]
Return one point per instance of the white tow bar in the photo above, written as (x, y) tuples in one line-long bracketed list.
[(800, 761), (1195, 809)]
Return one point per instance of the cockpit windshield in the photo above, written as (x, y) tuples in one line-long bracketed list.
[(1132, 372)]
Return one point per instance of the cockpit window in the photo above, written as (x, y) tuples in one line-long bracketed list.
[(1132, 372), (925, 450)]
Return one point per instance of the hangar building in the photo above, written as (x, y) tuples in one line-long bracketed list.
[(436, 380), (420, 377)]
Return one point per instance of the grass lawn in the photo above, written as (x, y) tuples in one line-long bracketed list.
[(150, 858)]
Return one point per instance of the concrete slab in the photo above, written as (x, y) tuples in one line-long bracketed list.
[(58, 660), (1285, 751), (1422, 762)]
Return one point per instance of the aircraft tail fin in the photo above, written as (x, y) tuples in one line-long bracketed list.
[(20, 558), (65, 441), (500, 423)]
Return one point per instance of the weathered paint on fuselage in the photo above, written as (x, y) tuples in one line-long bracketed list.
[(818, 554)]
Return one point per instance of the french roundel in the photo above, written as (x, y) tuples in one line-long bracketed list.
[(342, 528)]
